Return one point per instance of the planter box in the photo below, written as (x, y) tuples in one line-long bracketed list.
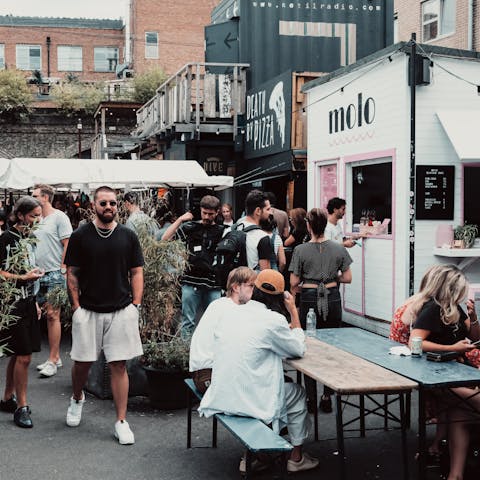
[(98, 382), (167, 390)]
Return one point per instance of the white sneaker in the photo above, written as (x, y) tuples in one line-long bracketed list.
[(49, 370), (74, 412), (123, 433), (58, 363)]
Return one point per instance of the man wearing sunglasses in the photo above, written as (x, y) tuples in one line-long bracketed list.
[(105, 283), (200, 285)]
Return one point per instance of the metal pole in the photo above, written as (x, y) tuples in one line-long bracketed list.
[(79, 129), (413, 73)]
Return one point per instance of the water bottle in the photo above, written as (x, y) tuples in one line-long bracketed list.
[(311, 323)]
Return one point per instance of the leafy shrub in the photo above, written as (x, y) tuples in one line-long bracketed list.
[(15, 94), (73, 96), (146, 84)]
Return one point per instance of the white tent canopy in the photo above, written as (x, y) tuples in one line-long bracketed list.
[(4, 163), (23, 173)]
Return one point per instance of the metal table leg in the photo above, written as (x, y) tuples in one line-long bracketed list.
[(340, 438)]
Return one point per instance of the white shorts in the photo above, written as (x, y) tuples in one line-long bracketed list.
[(116, 333)]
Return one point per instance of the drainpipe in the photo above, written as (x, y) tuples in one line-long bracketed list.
[(48, 57), (413, 74), (470, 26)]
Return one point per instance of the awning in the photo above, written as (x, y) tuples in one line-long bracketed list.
[(23, 173), (4, 163), (463, 130)]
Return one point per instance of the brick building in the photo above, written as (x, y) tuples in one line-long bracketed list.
[(167, 33), (87, 48), (445, 23)]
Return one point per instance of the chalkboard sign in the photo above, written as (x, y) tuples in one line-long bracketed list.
[(435, 192)]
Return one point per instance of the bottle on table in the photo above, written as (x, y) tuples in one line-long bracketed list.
[(311, 323)]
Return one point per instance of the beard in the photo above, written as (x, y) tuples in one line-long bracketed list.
[(106, 217)]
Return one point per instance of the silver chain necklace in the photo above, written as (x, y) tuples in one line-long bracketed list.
[(102, 232)]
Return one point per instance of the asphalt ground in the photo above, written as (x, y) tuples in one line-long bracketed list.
[(52, 451)]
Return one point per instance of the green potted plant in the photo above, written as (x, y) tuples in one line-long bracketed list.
[(464, 235), (165, 362)]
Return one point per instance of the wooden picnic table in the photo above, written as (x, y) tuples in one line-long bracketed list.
[(347, 374), (428, 375)]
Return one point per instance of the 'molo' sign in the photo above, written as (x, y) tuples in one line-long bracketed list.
[(268, 117), (353, 115)]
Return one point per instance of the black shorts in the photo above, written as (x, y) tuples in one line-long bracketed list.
[(23, 337)]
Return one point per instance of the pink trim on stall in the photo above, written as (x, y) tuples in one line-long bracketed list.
[(389, 153), (462, 189)]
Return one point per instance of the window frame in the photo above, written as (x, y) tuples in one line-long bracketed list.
[(439, 19), (59, 67), (151, 46), (101, 70), (2, 56), (19, 46)]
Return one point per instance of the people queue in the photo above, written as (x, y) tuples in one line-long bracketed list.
[(290, 264)]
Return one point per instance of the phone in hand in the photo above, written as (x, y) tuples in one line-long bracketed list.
[(477, 344)]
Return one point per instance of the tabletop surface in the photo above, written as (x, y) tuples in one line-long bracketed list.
[(345, 373), (375, 349)]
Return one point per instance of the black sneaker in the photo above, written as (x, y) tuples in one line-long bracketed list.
[(9, 405), (21, 417)]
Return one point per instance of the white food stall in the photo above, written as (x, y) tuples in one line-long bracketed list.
[(368, 142)]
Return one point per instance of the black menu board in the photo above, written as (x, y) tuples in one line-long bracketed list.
[(435, 192)]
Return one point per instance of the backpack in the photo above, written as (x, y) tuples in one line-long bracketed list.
[(231, 252), (201, 242)]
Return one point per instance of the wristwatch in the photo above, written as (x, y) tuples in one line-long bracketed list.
[(63, 270), (138, 306)]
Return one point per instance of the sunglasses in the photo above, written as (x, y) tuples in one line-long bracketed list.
[(103, 203)]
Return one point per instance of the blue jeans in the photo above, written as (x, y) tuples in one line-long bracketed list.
[(195, 299), (48, 282)]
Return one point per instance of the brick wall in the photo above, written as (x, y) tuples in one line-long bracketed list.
[(180, 26), (409, 20), (88, 38), (45, 134)]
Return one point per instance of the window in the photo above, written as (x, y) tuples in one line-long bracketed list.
[(438, 18), (471, 178), (29, 57), (151, 45), (2, 56), (105, 59), (69, 58)]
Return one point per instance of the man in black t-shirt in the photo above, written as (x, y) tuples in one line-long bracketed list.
[(105, 282), (199, 283)]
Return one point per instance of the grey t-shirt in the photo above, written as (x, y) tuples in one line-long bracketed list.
[(138, 220), (50, 232), (319, 262)]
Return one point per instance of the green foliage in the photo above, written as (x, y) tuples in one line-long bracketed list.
[(9, 292), (170, 354), (58, 298), (15, 94), (146, 84), (467, 233), (73, 96)]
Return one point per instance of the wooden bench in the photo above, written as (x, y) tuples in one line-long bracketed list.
[(252, 433)]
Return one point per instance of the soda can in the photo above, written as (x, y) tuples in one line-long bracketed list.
[(416, 346)]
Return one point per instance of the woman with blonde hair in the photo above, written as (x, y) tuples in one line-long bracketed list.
[(443, 326)]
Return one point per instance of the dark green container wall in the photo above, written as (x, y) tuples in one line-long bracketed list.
[(269, 53)]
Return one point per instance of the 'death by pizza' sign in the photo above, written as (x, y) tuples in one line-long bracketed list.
[(268, 117)]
